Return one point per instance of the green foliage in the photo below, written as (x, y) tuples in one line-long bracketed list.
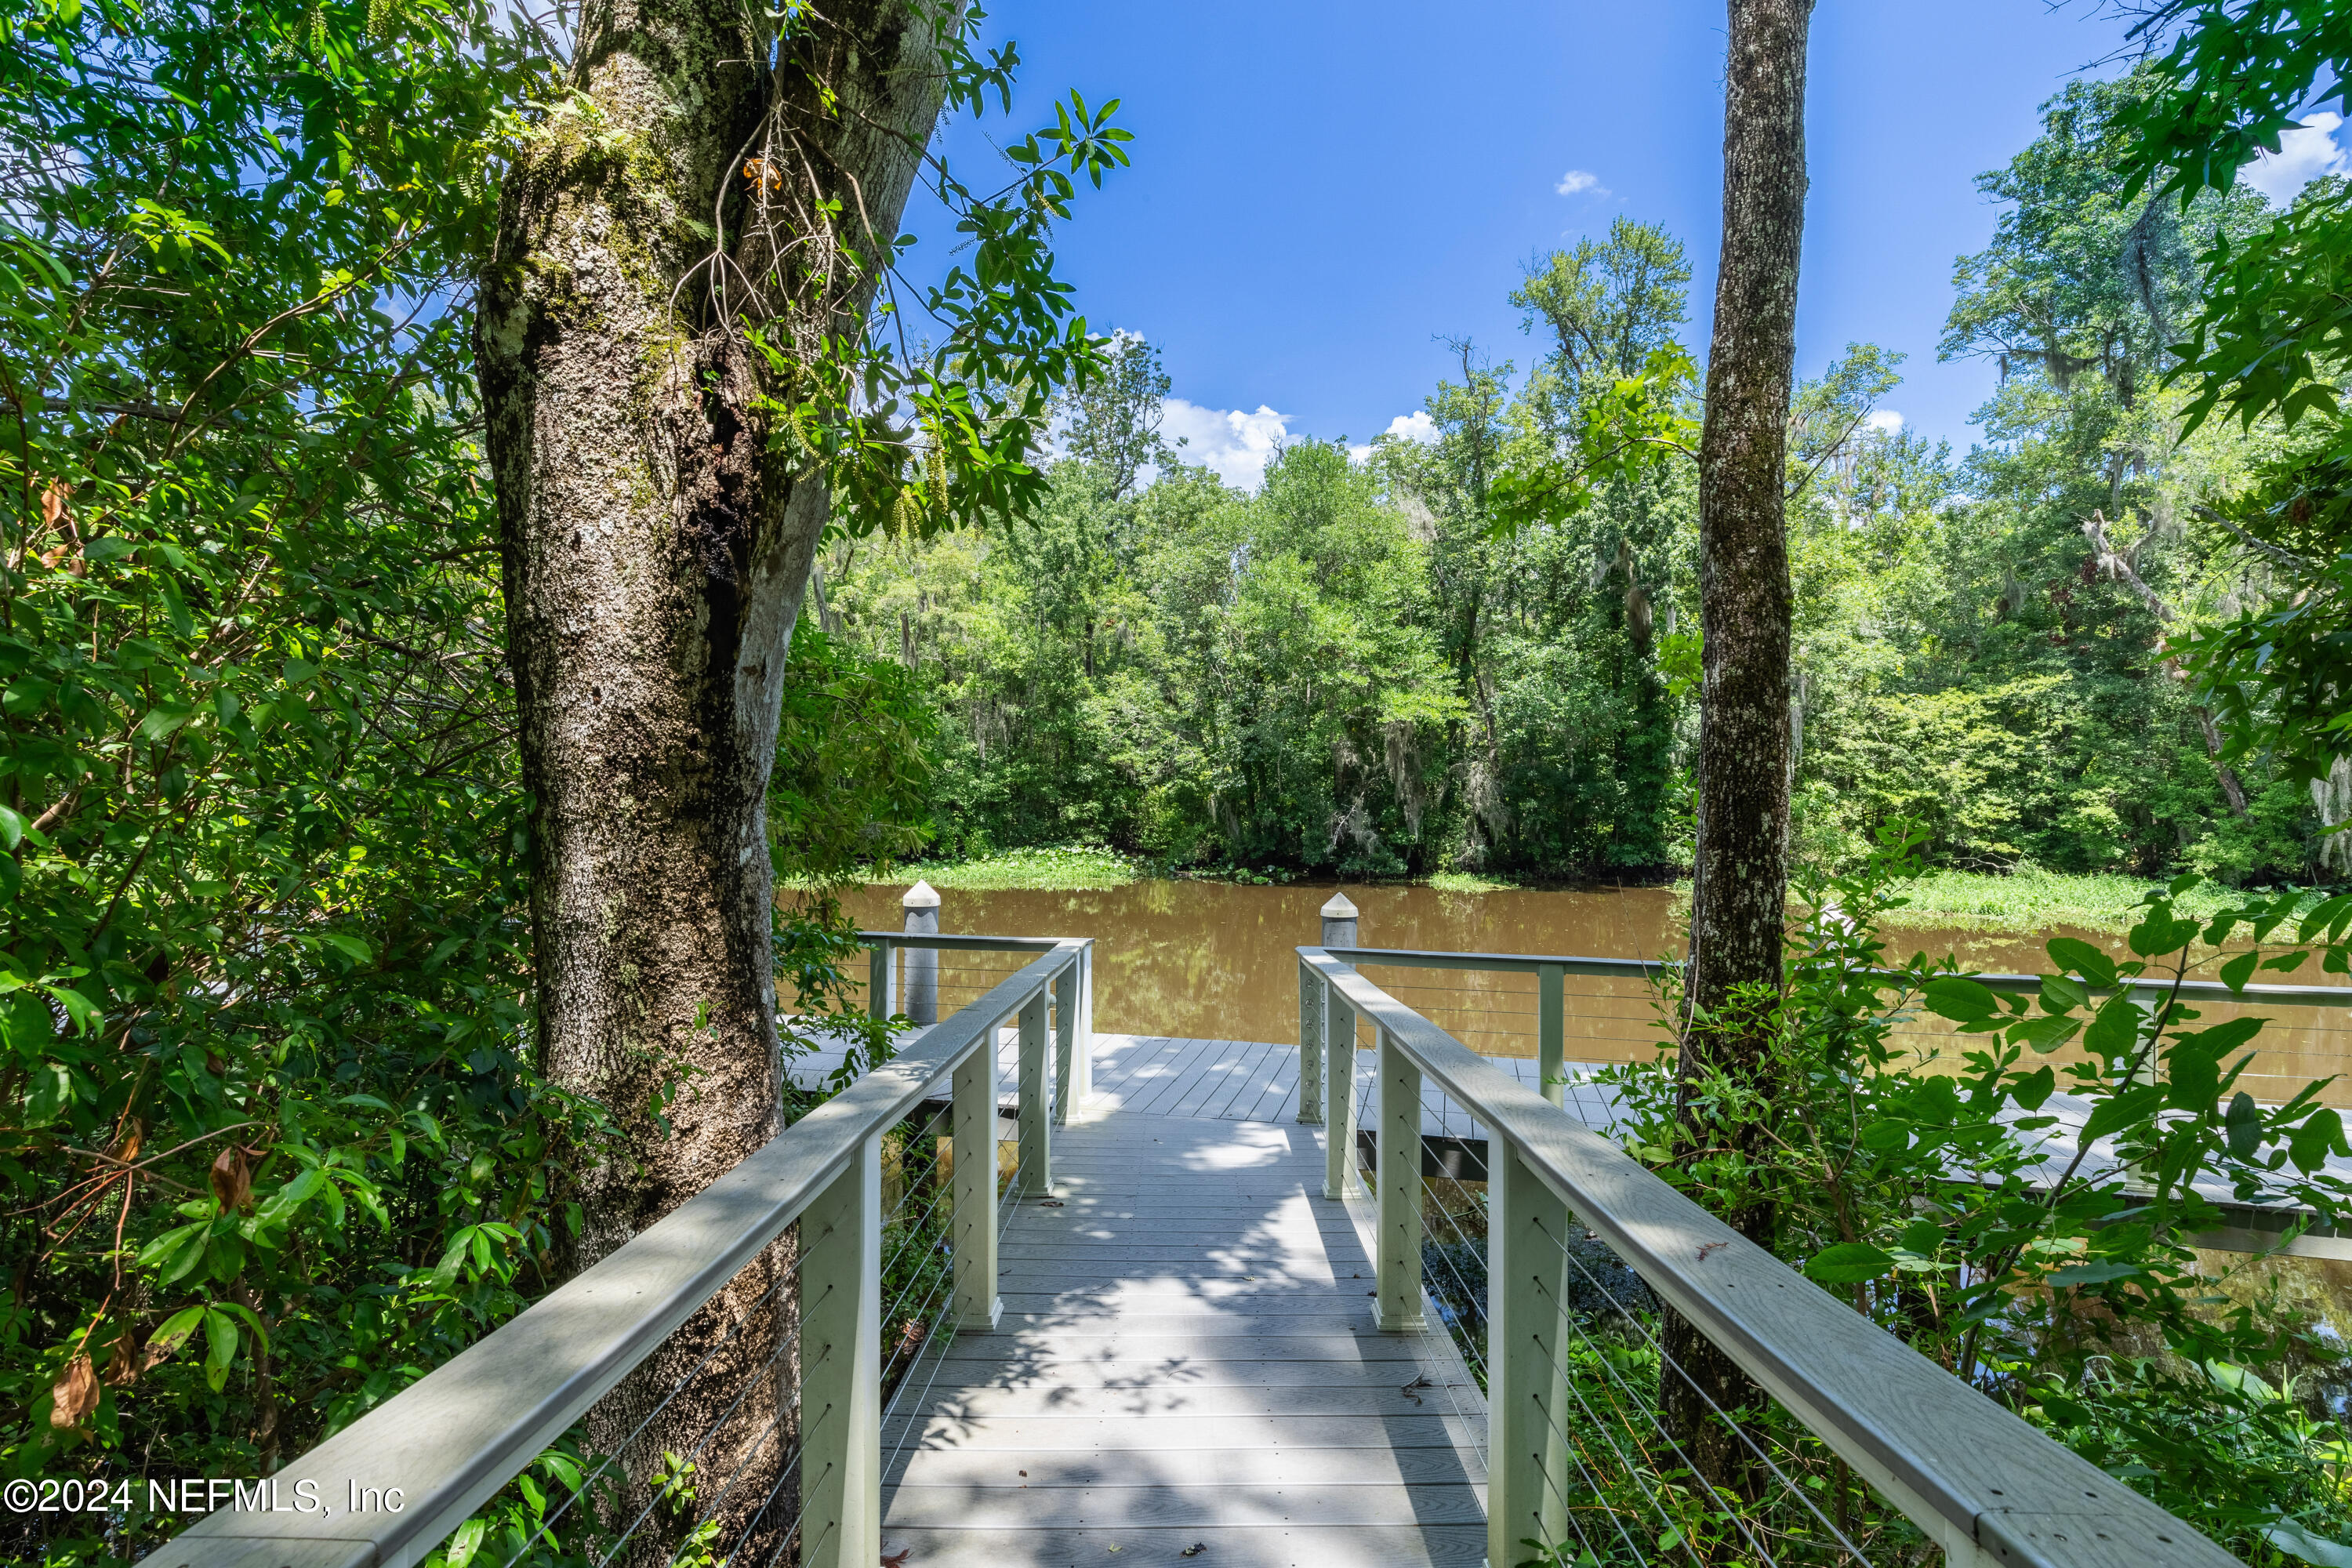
[(2267, 344), (1072, 869), (271, 1138), (1966, 657), (944, 437), (1914, 1186)]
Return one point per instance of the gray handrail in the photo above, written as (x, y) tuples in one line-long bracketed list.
[(1644, 968), (1988, 1486), (450, 1441), (965, 943)]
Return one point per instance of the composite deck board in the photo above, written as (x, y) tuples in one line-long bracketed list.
[(1186, 1357), (1257, 1080), (1229, 1546), (1105, 1504)]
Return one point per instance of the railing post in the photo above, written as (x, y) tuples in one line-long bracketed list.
[(1069, 1072), (881, 981), (1339, 923), (1551, 1032), (1339, 1093), (977, 1305), (922, 906), (1036, 1177), (1397, 1308), (1526, 1388), (1310, 1045), (841, 1367)]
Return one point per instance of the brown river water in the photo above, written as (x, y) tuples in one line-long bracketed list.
[(1215, 960)]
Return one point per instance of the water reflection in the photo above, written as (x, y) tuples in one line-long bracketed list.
[(1214, 960)]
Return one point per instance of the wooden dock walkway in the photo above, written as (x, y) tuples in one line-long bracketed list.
[(1186, 1360), (1242, 1081)]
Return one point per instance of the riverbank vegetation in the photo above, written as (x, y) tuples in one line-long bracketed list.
[(1366, 668)]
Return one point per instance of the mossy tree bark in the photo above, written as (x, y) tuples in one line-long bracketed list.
[(656, 539), (1740, 880)]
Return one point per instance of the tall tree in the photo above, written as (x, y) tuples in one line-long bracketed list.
[(680, 381), (1114, 420), (1742, 873), (1610, 304)]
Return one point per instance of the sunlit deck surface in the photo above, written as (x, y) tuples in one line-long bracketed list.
[(1256, 1080), (1186, 1359), (1242, 1081)]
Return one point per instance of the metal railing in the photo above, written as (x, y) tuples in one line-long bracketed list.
[(1580, 1449), (1074, 1007), (451, 1442), (1611, 1018)]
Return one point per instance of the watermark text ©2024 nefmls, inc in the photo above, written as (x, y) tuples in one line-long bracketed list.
[(196, 1494)]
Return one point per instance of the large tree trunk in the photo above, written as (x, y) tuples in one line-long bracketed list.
[(1740, 881), (656, 542)]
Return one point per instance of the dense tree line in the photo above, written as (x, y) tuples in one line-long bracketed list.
[(1390, 660)]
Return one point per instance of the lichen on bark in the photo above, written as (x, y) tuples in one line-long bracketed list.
[(656, 541), (1740, 879)]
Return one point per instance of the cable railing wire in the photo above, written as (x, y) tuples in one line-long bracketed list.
[(589, 1480), (899, 1357), (1643, 1450)]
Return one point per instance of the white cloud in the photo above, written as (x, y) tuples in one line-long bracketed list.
[(1577, 182), (1887, 420), (1416, 425), (2305, 154), (1234, 445)]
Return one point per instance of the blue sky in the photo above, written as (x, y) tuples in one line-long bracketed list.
[(1322, 193)]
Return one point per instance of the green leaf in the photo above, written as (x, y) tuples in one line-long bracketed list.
[(184, 1259), (1962, 1000), (175, 1332), (2094, 1273), (2239, 969), (2240, 1380), (465, 1542), (1887, 1135), (49, 1091), (2243, 1123), (80, 1011), (2115, 1030), (2296, 1541), (2033, 1090), (2044, 1035), (2223, 1038), (176, 610), (2077, 957), (445, 1273), (2061, 995), (12, 828), (2321, 1134), (2064, 1412), (350, 946), (113, 547), (2133, 1106), (167, 717), (1849, 1263), (2161, 932), (220, 1340), (26, 1025)]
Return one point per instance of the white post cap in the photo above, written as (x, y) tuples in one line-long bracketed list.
[(921, 896), (1338, 909)]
